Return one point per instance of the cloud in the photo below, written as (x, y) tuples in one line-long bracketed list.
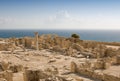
[(60, 16), (62, 20), (19, 23), (5, 20)]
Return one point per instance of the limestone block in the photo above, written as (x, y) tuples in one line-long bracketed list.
[(8, 75), (77, 47), (73, 67), (108, 77), (114, 60), (52, 60), (58, 49), (99, 65), (4, 65), (31, 75), (51, 71), (16, 68), (118, 59), (3, 46), (107, 65), (79, 79), (70, 51), (1, 68)]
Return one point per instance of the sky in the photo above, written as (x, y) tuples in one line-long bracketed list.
[(60, 14)]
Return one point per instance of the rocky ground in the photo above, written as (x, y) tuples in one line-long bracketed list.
[(42, 59)]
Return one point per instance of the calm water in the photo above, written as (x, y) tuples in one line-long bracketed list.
[(98, 35)]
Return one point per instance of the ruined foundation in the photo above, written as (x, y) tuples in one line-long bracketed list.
[(55, 58)]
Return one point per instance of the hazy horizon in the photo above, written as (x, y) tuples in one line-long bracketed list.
[(60, 14)]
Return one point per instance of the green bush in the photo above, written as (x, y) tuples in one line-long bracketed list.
[(75, 36)]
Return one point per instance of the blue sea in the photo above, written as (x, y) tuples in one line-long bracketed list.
[(97, 35)]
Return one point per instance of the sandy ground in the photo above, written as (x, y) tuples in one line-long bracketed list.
[(114, 47)]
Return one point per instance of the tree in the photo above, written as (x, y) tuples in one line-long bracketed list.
[(75, 36)]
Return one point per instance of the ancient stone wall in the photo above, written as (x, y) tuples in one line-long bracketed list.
[(33, 74), (28, 42), (92, 74), (16, 68), (118, 59), (111, 78)]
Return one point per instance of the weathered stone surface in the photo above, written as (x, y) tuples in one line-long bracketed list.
[(16, 68), (8, 75), (108, 77), (2, 79), (73, 67), (95, 75), (118, 59), (6, 46), (31, 75), (37, 74), (69, 52), (58, 49), (77, 47), (99, 65), (36, 41), (4, 65), (52, 60)]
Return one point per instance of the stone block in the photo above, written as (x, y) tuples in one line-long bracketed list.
[(16, 68), (73, 67)]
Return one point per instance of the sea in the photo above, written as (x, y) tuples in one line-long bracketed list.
[(95, 35)]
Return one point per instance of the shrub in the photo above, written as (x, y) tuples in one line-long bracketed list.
[(75, 36)]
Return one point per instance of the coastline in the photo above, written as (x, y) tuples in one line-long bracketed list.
[(95, 35)]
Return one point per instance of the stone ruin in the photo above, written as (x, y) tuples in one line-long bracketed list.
[(48, 74), (5, 73), (7, 69), (88, 70), (67, 46), (103, 58)]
